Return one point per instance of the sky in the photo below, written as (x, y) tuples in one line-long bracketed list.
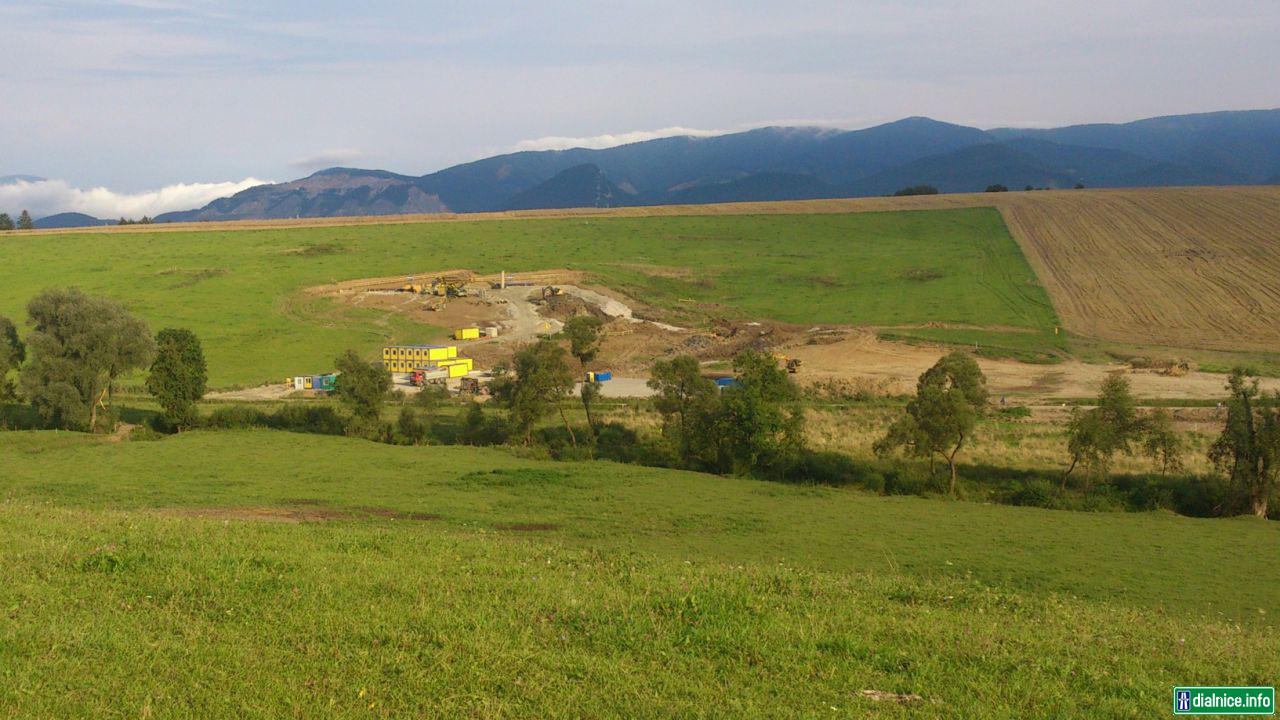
[(142, 106)]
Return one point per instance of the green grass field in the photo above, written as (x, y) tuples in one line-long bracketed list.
[(470, 582), (240, 289)]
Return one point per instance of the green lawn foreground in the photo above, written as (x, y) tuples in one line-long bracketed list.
[(630, 591), (240, 290)]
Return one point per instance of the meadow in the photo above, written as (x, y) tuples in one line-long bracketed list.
[(262, 574), (241, 290)]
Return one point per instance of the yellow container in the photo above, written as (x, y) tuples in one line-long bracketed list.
[(458, 371), (472, 333), (386, 353), (306, 383), (452, 351), (436, 354)]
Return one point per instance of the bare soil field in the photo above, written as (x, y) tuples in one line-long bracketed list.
[(893, 368), (1184, 268)]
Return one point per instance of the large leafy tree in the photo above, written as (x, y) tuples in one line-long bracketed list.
[(78, 346), (1112, 426), (583, 332), (12, 353), (681, 396), (1248, 450), (756, 424), (179, 375), (951, 397), (542, 379), (361, 386)]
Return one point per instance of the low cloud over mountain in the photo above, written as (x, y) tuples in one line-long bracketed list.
[(46, 197)]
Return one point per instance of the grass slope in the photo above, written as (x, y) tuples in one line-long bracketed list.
[(240, 289), (660, 594), (1150, 560)]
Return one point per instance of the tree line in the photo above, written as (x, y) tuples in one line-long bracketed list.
[(78, 346), (24, 221)]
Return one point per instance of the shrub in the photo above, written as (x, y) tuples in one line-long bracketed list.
[(234, 417), (319, 419), (480, 429), (909, 480), (1035, 493)]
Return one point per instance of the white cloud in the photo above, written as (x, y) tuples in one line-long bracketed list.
[(49, 197), (327, 159), (609, 140)]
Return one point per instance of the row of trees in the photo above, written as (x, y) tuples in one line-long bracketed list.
[(24, 222), (951, 397), (78, 347)]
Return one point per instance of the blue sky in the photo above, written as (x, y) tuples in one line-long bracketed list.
[(145, 94)]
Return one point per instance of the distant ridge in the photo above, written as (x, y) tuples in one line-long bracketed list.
[(790, 163), (70, 220)]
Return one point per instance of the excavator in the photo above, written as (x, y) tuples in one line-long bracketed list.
[(791, 364)]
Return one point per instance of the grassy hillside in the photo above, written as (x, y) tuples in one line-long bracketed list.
[(240, 290), (266, 574), (1148, 560)]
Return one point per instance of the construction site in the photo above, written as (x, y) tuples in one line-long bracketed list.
[(487, 316)]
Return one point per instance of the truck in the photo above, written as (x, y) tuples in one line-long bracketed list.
[(422, 376)]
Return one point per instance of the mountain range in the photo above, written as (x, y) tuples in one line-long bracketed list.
[(793, 163)]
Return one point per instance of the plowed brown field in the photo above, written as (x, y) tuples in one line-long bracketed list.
[(1186, 268)]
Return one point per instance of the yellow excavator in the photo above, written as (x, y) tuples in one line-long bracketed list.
[(792, 365)]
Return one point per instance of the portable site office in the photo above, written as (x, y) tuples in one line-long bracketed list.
[(407, 358)]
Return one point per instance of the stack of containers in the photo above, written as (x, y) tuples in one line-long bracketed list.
[(457, 367), (407, 358)]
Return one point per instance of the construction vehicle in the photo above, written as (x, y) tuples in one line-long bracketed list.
[(792, 365), (423, 376), (552, 291), (472, 386)]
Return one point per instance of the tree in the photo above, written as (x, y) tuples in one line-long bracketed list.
[(179, 375), (1248, 450), (583, 332), (12, 353), (1161, 442), (1096, 435), (361, 386), (542, 379), (997, 188), (78, 346), (6, 222), (753, 427), (681, 395), (950, 398), (917, 190), (25, 222), (410, 428)]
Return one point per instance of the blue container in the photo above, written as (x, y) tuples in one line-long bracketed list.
[(726, 382), (602, 376)]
